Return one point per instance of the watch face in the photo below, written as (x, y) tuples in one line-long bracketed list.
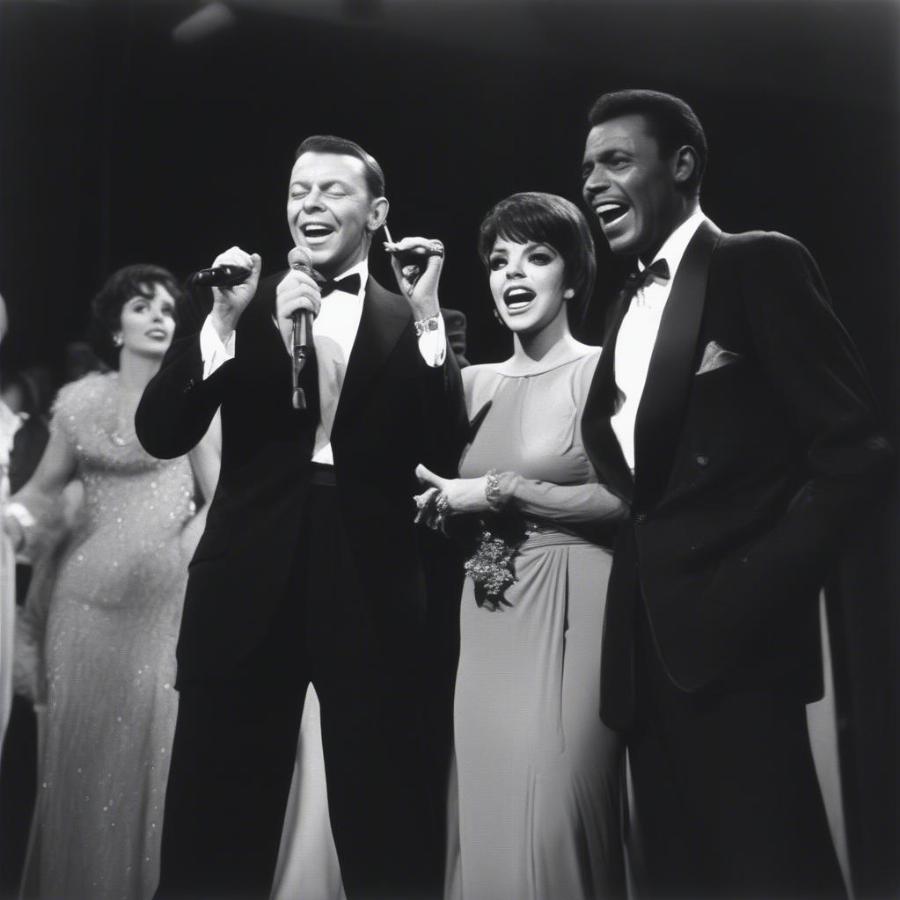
[(429, 324)]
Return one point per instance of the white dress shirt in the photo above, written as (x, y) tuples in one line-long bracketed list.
[(637, 334), (334, 333)]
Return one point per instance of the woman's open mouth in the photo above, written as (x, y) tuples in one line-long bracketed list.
[(518, 298)]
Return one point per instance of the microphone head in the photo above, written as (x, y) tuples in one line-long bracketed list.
[(300, 258)]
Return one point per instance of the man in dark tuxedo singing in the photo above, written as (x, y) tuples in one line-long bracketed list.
[(732, 411), (308, 569)]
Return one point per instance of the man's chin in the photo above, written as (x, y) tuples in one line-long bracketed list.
[(621, 244), (323, 259)]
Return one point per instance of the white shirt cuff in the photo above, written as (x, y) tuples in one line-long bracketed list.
[(26, 521), (20, 513), (433, 345), (213, 352)]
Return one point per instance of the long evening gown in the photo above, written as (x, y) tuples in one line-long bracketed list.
[(109, 657), (538, 772)]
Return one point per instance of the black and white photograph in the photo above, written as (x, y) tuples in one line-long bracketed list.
[(448, 449)]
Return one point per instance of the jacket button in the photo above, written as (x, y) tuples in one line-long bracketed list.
[(189, 386), (640, 518), (702, 461)]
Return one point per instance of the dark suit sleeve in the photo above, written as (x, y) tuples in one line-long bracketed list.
[(814, 368), (178, 404)]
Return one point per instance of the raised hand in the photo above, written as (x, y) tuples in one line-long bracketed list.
[(230, 302), (417, 264)]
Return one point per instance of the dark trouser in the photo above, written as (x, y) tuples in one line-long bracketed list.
[(18, 783), (726, 800), (235, 743)]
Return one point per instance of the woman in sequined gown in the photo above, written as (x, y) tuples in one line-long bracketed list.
[(106, 622), (538, 774)]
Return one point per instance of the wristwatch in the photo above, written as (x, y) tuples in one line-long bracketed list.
[(430, 323)]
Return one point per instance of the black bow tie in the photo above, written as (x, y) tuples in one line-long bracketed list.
[(658, 270), (350, 284)]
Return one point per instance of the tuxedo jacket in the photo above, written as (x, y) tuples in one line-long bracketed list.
[(756, 441), (394, 412)]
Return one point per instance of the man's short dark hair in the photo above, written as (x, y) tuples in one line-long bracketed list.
[(669, 119), (546, 219), (329, 143)]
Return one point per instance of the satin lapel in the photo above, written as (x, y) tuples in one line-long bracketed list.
[(599, 438), (383, 320), (661, 411)]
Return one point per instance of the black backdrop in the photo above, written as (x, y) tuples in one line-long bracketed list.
[(119, 143)]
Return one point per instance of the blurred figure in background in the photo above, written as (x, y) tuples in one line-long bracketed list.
[(26, 394), (79, 359), (9, 425), (104, 609)]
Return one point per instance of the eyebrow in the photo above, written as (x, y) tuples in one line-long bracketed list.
[(606, 152), (529, 245)]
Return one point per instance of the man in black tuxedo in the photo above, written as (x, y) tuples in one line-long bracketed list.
[(309, 569), (732, 412)]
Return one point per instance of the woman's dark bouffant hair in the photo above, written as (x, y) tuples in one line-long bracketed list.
[(106, 308), (546, 219)]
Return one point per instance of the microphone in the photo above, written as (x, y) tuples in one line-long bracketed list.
[(300, 260), (219, 276)]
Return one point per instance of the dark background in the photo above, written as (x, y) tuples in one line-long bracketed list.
[(121, 143)]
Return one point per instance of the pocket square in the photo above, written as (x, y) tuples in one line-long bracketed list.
[(715, 356)]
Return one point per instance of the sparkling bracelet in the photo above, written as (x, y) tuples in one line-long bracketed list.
[(492, 491), (441, 507), (429, 323)]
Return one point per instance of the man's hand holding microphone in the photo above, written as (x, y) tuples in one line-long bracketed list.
[(229, 302), (298, 291)]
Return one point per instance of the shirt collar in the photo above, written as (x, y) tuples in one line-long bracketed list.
[(676, 243)]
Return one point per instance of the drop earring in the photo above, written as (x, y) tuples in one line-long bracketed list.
[(117, 340)]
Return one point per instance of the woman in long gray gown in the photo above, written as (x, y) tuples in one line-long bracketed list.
[(538, 774), (105, 638)]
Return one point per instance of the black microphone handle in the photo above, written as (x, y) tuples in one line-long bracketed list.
[(220, 276), (303, 319), (300, 260), (301, 341)]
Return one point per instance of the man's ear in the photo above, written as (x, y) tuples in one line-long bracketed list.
[(378, 210), (684, 164)]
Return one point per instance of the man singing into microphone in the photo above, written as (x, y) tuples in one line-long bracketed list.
[(308, 569)]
